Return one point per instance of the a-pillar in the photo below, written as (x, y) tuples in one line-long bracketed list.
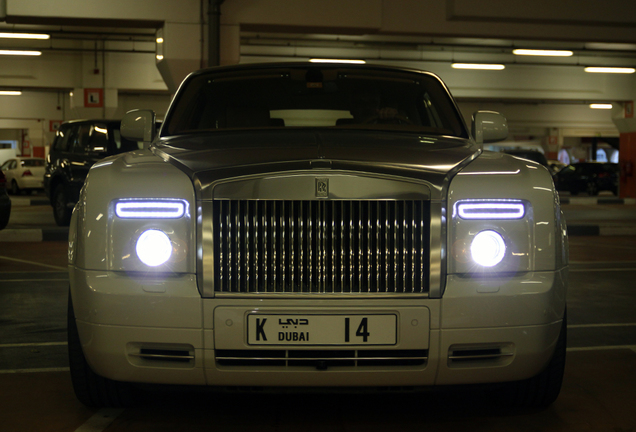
[(623, 117)]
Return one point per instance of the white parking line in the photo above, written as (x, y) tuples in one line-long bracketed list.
[(618, 269), (602, 348), (100, 420), (572, 326), (33, 263), (34, 370), (32, 344)]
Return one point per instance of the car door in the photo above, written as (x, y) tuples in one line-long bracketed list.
[(58, 163), (6, 168), (9, 168), (78, 160)]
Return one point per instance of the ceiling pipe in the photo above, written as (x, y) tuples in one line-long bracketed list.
[(214, 32)]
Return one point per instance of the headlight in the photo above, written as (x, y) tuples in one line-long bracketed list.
[(150, 209), (490, 236), (488, 248), (154, 247), (496, 209)]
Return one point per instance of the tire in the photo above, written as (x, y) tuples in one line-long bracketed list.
[(61, 211), (543, 389), (91, 389), (4, 220), (15, 189)]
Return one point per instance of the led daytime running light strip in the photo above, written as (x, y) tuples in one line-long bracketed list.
[(491, 210), (150, 209)]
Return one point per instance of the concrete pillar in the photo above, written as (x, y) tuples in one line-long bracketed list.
[(179, 53), (552, 144), (623, 117)]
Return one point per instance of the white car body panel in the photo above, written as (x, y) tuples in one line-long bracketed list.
[(475, 325)]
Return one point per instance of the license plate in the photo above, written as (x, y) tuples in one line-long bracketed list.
[(307, 329)]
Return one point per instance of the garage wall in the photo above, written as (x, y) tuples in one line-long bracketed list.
[(526, 94)]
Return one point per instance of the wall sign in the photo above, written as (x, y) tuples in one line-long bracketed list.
[(54, 125), (93, 98)]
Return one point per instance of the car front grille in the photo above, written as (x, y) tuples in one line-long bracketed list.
[(316, 247), (321, 359)]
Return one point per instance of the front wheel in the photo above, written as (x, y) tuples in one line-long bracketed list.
[(61, 210), (91, 389), (541, 390), (15, 189)]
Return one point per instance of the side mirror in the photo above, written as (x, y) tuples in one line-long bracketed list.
[(139, 125), (489, 126)]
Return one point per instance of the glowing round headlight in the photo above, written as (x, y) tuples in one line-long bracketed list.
[(154, 247), (488, 248)]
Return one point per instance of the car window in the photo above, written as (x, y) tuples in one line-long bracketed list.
[(33, 163), (314, 98), (80, 139), (62, 138), (97, 139), (5, 166)]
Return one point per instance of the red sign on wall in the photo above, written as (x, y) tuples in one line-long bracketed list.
[(54, 125), (93, 98)]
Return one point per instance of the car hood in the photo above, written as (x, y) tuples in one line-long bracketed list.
[(212, 157)]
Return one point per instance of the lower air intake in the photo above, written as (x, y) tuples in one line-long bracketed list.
[(321, 359)]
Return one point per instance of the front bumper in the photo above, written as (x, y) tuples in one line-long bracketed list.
[(152, 330)]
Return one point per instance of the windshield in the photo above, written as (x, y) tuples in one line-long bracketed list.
[(313, 97)]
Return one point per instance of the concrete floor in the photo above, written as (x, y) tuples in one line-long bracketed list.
[(599, 390), (599, 394)]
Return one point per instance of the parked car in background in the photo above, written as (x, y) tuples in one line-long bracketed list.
[(5, 202), (24, 174), (588, 177), (533, 155), (262, 241), (77, 146), (555, 166)]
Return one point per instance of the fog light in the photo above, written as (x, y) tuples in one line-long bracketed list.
[(154, 247), (488, 248)]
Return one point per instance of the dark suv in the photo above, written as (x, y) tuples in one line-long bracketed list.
[(590, 177), (77, 146), (5, 202)]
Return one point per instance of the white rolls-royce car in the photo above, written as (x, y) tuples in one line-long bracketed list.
[(298, 226)]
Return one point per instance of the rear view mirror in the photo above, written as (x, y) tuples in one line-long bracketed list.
[(139, 125), (489, 126)]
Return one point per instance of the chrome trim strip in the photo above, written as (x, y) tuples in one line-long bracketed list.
[(437, 272)]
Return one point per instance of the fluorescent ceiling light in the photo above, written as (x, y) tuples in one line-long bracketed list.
[(316, 60), (623, 70), (24, 36), (600, 106), (537, 52), (10, 93), (477, 66), (22, 53)]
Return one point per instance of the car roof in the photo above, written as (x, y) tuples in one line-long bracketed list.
[(321, 66), (75, 121)]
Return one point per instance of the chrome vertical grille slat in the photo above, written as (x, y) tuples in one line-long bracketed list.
[(321, 247)]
